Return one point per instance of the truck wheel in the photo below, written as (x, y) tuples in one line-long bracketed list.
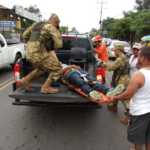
[(18, 56)]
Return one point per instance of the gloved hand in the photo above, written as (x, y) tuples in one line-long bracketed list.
[(99, 60)]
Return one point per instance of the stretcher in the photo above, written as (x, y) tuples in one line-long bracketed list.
[(104, 100)]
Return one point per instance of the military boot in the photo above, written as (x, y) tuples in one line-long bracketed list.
[(126, 120), (46, 88), (25, 82), (113, 107)]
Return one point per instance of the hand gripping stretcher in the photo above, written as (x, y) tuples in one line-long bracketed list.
[(74, 87)]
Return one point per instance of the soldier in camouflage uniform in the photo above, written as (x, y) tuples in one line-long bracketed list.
[(121, 70), (43, 37)]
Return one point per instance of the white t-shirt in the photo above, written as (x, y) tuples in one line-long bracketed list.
[(133, 67), (140, 102)]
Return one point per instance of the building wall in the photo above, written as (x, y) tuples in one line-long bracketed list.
[(8, 18), (10, 31)]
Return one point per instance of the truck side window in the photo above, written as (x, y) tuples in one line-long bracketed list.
[(84, 43), (68, 43), (2, 42)]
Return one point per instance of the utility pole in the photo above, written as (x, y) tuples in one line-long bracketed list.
[(101, 14)]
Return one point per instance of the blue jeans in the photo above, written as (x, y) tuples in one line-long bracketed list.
[(86, 88)]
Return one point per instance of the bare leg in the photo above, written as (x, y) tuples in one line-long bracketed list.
[(139, 147), (147, 145)]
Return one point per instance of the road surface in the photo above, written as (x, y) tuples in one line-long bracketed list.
[(45, 128)]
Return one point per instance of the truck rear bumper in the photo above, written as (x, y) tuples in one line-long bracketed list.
[(58, 105)]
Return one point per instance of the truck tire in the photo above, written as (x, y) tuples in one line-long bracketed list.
[(18, 56)]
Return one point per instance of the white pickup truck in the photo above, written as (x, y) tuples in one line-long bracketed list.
[(9, 54)]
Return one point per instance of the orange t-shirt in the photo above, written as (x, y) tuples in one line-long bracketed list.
[(102, 52)]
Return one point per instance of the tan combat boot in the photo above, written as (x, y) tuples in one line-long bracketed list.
[(126, 120), (25, 81), (46, 88), (113, 107)]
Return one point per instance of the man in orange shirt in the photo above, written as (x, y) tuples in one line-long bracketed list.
[(102, 52)]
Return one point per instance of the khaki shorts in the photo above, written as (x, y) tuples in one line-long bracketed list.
[(139, 129)]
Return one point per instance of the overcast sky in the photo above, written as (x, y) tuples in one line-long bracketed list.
[(82, 14)]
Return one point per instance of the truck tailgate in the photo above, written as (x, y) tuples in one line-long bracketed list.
[(63, 96)]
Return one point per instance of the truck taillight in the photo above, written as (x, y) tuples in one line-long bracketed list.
[(100, 75), (24, 47), (68, 36), (112, 49), (17, 74)]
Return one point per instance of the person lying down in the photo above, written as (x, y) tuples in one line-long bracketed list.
[(80, 78)]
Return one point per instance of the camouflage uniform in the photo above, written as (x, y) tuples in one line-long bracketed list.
[(38, 55), (119, 65)]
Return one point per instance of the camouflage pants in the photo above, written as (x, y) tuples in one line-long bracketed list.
[(125, 81), (45, 62)]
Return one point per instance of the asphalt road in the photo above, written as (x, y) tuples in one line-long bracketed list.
[(44, 128)]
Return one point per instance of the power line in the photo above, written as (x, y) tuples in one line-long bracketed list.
[(102, 3), (133, 9), (122, 13)]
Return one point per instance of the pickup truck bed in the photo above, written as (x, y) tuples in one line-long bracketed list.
[(68, 98)]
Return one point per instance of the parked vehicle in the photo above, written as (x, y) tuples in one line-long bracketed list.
[(129, 53), (73, 45), (110, 48), (108, 41), (9, 54)]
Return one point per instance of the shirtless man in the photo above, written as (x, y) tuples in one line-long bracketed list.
[(138, 91)]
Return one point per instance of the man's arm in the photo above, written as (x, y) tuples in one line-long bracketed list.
[(72, 66), (55, 35), (134, 85), (116, 64), (26, 35), (53, 54), (101, 49), (75, 67)]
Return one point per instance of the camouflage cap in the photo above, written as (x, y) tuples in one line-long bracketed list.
[(55, 17), (119, 47)]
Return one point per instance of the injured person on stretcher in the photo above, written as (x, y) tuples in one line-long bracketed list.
[(75, 75)]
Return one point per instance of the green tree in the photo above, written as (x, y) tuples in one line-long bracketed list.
[(34, 10), (142, 4), (93, 30), (141, 23), (73, 29), (121, 29), (108, 23), (63, 29)]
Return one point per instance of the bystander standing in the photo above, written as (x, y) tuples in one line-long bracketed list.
[(138, 91)]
